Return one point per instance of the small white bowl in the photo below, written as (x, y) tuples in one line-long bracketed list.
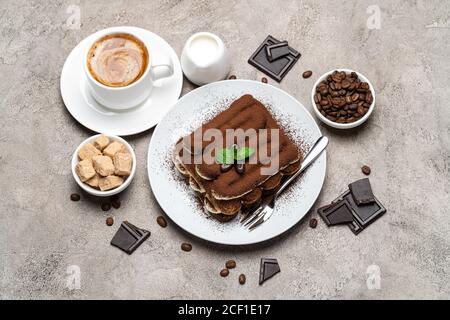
[(343, 125), (97, 192)]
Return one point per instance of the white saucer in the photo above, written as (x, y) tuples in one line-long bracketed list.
[(96, 117)]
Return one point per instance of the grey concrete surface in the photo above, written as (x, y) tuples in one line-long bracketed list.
[(406, 142)]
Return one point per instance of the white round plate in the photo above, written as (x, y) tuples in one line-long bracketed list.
[(200, 105), (96, 117)]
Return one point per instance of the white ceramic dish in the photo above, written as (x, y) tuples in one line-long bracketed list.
[(97, 192), (198, 106), (87, 111), (343, 125)]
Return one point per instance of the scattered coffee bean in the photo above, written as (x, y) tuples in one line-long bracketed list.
[(366, 170), (106, 206), (264, 79), (109, 221), (186, 246), (232, 77), (342, 97), (307, 74), (230, 264), (313, 223), (75, 197), (115, 203), (161, 221), (224, 272), (242, 279)]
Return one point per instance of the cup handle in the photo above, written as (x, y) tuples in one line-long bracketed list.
[(161, 67)]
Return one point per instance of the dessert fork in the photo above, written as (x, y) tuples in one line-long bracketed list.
[(261, 214)]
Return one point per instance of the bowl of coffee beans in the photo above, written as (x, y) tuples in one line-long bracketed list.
[(343, 98)]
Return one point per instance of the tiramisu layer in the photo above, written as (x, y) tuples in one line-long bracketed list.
[(226, 192)]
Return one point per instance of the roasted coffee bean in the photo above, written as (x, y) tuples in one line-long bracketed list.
[(332, 86), (307, 74), (264, 80), (355, 97), (106, 206), (224, 272), (75, 197), (115, 203), (230, 264), (345, 84), (340, 120), (362, 97), (317, 97), (313, 223), (348, 99), (232, 77), (324, 92), (360, 110), (369, 98), (335, 93), (225, 167), (366, 170), (240, 168), (353, 75), (109, 221), (338, 86), (161, 221), (342, 92), (242, 279), (350, 119), (323, 102), (331, 118), (353, 106), (186, 246)]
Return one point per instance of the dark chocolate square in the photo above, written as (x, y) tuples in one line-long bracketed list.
[(268, 268), (363, 215), (277, 50), (337, 213), (276, 69), (362, 191), (129, 237)]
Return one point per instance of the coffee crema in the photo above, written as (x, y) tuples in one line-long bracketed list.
[(117, 60)]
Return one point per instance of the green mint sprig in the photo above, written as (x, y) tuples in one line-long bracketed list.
[(229, 155)]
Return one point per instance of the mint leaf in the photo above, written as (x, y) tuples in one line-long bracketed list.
[(243, 153), (225, 156)]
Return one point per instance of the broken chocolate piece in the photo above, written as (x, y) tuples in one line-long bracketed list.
[(361, 191), (275, 69), (277, 50), (268, 268), (337, 213), (363, 215), (129, 237)]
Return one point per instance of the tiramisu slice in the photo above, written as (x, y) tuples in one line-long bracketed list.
[(236, 158)]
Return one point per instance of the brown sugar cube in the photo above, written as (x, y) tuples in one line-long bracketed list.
[(85, 170), (113, 148), (93, 182), (122, 164), (88, 151), (109, 182), (103, 165), (101, 142)]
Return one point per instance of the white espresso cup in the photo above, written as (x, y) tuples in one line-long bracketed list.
[(135, 93), (205, 59)]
